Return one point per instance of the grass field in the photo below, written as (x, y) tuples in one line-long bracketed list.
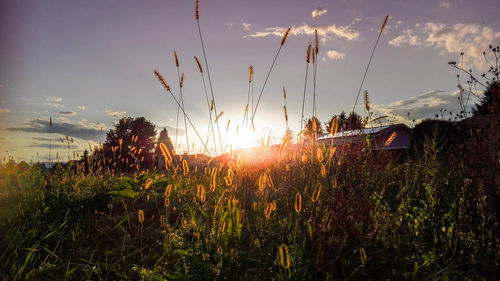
[(311, 214)]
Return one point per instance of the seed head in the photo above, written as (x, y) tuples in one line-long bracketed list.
[(197, 10), (367, 101), (316, 42), (162, 80), (308, 54), (199, 64), (384, 23), (285, 36), (250, 74), (176, 59)]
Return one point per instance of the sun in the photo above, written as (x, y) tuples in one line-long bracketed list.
[(244, 138)]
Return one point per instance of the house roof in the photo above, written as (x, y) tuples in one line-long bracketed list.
[(365, 131)]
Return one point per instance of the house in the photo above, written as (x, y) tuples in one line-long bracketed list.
[(389, 137)]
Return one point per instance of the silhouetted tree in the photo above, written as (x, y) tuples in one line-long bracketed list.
[(489, 80), (490, 102), (315, 129), (163, 138), (130, 144), (353, 122)]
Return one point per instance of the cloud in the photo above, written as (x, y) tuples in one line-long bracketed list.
[(334, 55), (246, 26), (82, 107), (53, 104), (82, 129), (424, 106), (407, 38), (115, 114), (43, 139), (472, 39), (4, 110), (319, 12), (69, 113), (356, 20), (445, 4), (324, 31), (57, 145), (229, 24), (53, 99)]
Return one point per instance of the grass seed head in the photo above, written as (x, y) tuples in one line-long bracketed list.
[(162, 80), (308, 53), (197, 10), (298, 203), (250, 74), (284, 255), (285, 36), (140, 216), (391, 139), (316, 42), (176, 59), (384, 23), (367, 101), (199, 64)]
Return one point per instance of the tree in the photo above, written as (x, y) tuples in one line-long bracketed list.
[(344, 123), (490, 102), (165, 139), (130, 144), (313, 127)]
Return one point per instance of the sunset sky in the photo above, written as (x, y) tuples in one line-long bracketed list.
[(88, 63)]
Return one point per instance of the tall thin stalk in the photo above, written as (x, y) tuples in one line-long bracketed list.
[(283, 40), (197, 17), (285, 112), (308, 57), (50, 142), (250, 91), (181, 99), (369, 61), (167, 88), (315, 68), (210, 121)]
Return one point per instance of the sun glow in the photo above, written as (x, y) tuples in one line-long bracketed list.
[(244, 138)]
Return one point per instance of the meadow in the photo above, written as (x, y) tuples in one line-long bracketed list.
[(315, 213), (311, 212)]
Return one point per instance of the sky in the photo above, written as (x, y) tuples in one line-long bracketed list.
[(85, 64)]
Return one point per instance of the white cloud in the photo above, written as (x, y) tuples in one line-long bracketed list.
[(229, 24), (82, 107), (115, 114), (334, 55), (4, 110), (53, 99), (319, 12), (356, 20), (424, 106), (53, 104), (246, 26), (324, 31), (407, 38), (445, 4), (472, 39)]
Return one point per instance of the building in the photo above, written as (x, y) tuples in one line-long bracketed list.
[(389, 137)]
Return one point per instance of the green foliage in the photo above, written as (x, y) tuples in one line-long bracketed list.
[(344, 123), (362, 215), (130, 145)]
